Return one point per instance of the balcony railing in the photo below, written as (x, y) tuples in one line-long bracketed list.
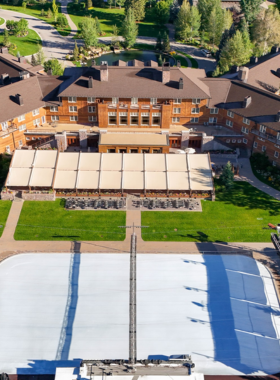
[(266, 136)]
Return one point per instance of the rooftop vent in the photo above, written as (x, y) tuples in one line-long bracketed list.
[(24, 75), (4, 78), (90, 82), (254, 60), (19, 99), (277, 117), (275, 49), (181, 84), (93, 63), (49, 72), (247, 101), (4, 50), (22, 60), (178, 63)]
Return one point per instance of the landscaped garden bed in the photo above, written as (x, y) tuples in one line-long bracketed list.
[(264, 171)]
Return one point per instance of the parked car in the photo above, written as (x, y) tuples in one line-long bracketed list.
[(206, 53)]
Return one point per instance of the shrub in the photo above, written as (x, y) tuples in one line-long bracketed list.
[(62, 21)]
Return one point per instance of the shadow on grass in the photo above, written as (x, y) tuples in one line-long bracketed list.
[(242, 194)]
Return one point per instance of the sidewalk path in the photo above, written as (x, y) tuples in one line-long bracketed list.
[(11, 224), (246, 174), (72, 25)]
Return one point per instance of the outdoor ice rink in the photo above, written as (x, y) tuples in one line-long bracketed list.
[(221, 309)]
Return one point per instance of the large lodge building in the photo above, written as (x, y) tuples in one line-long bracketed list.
[(139, 108)]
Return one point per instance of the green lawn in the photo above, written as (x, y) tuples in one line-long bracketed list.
[(2, 21), (193, 61), (238, 215), (114, 16), (50, 221), (184, 62), (4, 212), (35, 11), (25, 45)]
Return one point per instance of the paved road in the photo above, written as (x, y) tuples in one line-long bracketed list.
[(54, 45), (57, 46)]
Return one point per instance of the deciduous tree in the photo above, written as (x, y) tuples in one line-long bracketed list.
[(54, 65), (138, 7), (21, 29), (6, 39), (88, 31), (130, 29), (162, 12), (216, 25), (205, 8), (54, 10), (76, 52), (62, 21), (40, 57)]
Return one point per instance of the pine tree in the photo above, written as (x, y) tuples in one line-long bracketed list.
[(251, 9), (42, 12), (76, 52), (228, 20), (165, 43), (160, 60), (54, 10), (138, 7), (98, 26), (162, 12), (194, 21), (227, 176), (246, 36), (182, 26), (40, 56), (130, 29), (49, 14), (33, 60), (6, 39), (216, 25), (205, 8), (159, 42)]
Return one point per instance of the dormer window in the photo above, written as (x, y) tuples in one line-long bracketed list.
[(262, 129), (134, 101)]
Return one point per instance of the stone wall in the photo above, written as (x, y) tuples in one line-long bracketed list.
[(7, 196)]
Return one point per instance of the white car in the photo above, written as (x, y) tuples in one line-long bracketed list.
[(206, 53)]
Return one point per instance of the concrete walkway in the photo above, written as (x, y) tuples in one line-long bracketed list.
[(12, 221), (72, 25), (246, 174)]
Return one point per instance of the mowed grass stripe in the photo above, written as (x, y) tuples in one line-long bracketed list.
[(238, 215), (50, 221), (5, 207)]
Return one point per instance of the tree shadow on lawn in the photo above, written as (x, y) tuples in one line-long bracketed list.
[(245, 195), (200, 237)]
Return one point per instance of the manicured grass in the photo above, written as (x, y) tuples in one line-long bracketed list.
[(4, 212), (184, 62), (2, 21), (193, 61), (144, 47), (114, 16), (238, 215), (35, 11), (25, 45), (50, 221)]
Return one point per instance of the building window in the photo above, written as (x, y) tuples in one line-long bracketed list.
[(153, 100), (246, 121), (54, 109), (123, 118), (4, 126), (245, 130), (33, 138), (229, 123), (176, 110), (175, 120), (90, 99), (195, 101), (36, 112), (230, 114), (134, 101), (36, 121), (278, 136), (21, 118), (239, 141), (276, 154), (134, 116), (194, 119), (22, 127), (20, 143), (91, 109), (262, 129), (73, 118), (112, 118), (228, 141), (156, 118), (145, 118), (212, 120), (8, 150), (133, 150), (156, 150), (112, 150), (73, 109), (177, 101), (115, 100), (55, 118), (92, 118), (72, 99), (27, 138), (245, 141), (255, 145), (263, 148), (195, 110), (214, 111), (273, 163)]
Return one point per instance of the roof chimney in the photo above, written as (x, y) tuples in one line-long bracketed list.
[(277, 118), (165, 72), (178, 63), (243, 74), (4, 50), (104, 72), (49, 72), (274, 49), (93, 63), (247, 101), (19, 99), (22, 59), (24, 75), (4, 78), (254, 60), (90, 82), (181, 84)]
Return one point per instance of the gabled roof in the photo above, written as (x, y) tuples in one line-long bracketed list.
[(128, 82)]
